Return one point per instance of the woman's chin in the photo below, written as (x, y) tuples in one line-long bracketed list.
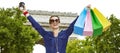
[(55, 27)]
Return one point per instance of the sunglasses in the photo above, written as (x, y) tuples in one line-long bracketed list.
[(53, 20)]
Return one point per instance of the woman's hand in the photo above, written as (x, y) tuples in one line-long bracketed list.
[(23, 9), (22, 6), (88, 6)]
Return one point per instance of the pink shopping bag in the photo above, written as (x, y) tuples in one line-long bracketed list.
[(88, 30)]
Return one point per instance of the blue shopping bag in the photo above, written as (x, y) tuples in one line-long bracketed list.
[(79, 25)]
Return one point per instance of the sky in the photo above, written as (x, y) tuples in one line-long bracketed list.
[(106, 7)]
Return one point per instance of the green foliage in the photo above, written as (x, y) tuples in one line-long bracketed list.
[(108, 42), (15, 37), (79, 46)]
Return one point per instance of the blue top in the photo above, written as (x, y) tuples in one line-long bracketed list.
[(53, 44)]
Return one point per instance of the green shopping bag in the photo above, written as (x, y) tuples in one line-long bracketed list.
[(97, 27)]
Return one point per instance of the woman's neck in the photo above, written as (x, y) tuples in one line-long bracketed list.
[(55, 32)]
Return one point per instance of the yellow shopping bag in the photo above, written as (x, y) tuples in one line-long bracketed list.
[(105, 23)]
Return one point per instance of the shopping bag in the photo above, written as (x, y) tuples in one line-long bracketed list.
[(97, 26), (79, 25), (88, 30), (105, 23)]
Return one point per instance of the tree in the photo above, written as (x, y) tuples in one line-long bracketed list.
[(79, 46), (107, 42), (15, 37)]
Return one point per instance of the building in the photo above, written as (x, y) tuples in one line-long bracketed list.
[(42, 17)]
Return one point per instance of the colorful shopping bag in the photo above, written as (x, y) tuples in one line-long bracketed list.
[(79, 25), (97, 26), (105, 23), (88, 30)]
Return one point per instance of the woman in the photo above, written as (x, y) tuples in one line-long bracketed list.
[(55, 40)]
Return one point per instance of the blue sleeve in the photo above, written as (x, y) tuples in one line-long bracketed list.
[(70, 29), (37, 26)]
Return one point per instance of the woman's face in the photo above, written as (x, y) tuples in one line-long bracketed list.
[(54, 22)]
